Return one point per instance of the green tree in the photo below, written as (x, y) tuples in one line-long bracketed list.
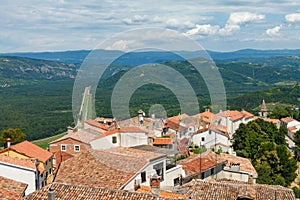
[(297, 138), (16, 135), (296, 191), (264, 144)]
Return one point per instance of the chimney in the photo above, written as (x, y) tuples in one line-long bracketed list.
[(155, 184), (51, 195), (8, 140), (235, 166), (70, 130), (153, 116)]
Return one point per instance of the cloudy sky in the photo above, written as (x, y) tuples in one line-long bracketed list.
[(55, 25)]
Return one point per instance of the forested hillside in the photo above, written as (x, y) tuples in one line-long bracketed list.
[(36, 95)]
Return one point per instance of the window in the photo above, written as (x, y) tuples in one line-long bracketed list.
[(76, 148), (203, 139), (176, 181), (143, 176), (114, 139), (159, 168), (63, 147), (212, 171)]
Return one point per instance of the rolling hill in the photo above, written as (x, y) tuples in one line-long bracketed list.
[(36, 95)]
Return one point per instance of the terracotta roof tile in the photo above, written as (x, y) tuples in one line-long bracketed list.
[(27, 163), (75, 192), (245, 163), (192, 164), (165, 194), (124, 129), (97, 168), (274, 121), (207, 117), (287, 120), (137, 153), (10, 189), (236, 115), (97, 124), (218, 129), (82, 136), (213, 190), (158, 141), (31, 150)]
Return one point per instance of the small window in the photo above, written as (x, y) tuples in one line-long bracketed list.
[(114, 139), (63, 147), (212, 171), (143, 176), (203, 139), (76, 148), (176, 181)]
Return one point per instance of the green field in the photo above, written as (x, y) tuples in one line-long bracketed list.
[(44, 143)]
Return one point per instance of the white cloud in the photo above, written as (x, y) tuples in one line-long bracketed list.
[(136, 19), (239, 18), (232, 25), (273, 31), (229, 29), (294, 17), (205, 29), (122, 45)]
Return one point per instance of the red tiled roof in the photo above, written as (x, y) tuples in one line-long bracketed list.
[(196, 165), (97, 124), (10, 189), (247, 114), (207, 117), (217, 129), (124, 129), (292, 128), (81, 136), (31, 150), (287, 120), (213, 190), (236, 115), (159, 141), (274, 121), (97, 168), (76, 192), (245, 163), (165, 194), (202, 130), (23, 162)]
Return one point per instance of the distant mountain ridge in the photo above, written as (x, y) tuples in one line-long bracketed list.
[(77, 56)]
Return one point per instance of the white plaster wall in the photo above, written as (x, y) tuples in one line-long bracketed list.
[(148, 169), (293, 123), (16, 173), (210, 140), (105, 142), (172, 174), (133, 139)]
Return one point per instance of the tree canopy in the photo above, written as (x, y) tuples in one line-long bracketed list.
[(265, 145), (16, 135)]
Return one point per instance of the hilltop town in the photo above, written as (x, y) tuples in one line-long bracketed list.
[(181, 157)]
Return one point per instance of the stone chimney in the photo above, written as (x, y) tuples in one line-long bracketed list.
[(8, 140), (235, 166), (51, 195), (155, 184), (70, 130)]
